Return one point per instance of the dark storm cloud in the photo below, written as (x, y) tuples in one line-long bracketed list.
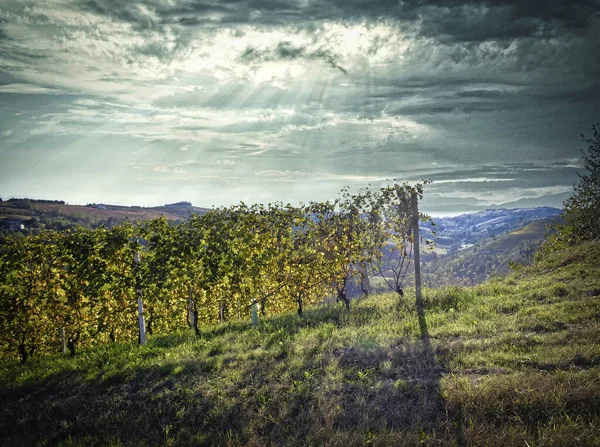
[(589, 94), (525, 175), (193, 12), (459, 20), (479, 21), (286, 51), (521, 32), (3, 35)]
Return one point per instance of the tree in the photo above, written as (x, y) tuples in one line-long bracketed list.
[(31, 299), (397, 204), (169, 264), (82, 276), (357, 240), (582, 210)]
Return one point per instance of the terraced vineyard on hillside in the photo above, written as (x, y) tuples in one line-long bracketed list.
[(513, 361)]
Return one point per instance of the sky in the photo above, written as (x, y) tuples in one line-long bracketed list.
[(216, 102)]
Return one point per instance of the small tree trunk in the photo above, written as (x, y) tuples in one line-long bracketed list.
[(196, 328), (365, 284), (342, 296), (149, 325), (71, 346), (299, 305), (141, 319), (23, 353), (140, 301), (417, 255), (193, 313)]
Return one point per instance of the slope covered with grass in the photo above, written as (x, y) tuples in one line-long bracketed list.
[(488, 257), (514, 361)]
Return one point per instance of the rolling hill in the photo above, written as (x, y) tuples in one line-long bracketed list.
[(454, 233), (36, 215), (474, 263)]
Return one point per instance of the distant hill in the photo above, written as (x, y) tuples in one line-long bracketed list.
[(472, 247), (32, 215), (459, 232), (476, 262), (557, 199)]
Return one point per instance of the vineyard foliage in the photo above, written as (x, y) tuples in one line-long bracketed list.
[(75, 288)]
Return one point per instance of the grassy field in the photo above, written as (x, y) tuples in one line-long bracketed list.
[(512, 362)]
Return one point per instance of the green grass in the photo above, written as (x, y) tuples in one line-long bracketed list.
[(514, 361)]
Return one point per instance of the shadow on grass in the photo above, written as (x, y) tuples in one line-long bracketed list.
[(387, 395), (290, 323)]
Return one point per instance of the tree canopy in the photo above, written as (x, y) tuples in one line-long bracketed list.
[(582, 210)]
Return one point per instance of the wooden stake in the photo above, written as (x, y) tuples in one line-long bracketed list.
[(254, 313), (63, 341), (417, 254), (417, 259), (140, 303)]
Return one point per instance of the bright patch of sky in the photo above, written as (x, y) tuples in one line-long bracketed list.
[(152, 102)]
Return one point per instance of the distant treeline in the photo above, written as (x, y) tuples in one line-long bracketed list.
[(26, 202), (177, 204)]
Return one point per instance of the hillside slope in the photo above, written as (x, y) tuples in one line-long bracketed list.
[(490, 256), (514, 361), (454, 233)]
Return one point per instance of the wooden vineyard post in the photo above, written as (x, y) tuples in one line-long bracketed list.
[(63, 341), (140, 303), (192, 309), (254, 313), (417, 259)]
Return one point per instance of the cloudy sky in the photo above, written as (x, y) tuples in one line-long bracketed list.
[(154, 101)]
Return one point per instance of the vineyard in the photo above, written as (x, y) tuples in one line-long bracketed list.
[(513, 361), (73, 289)]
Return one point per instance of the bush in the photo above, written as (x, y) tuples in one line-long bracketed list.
[(582, 211)]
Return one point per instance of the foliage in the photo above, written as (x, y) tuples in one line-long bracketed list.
[(582, 210), (398, 203), (78, 287)]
